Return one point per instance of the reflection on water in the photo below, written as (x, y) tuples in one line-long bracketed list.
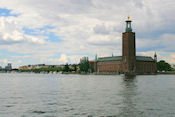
[(128, 93), (56, 95)]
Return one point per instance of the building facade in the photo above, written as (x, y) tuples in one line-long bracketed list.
[(9, 66), (128, 62)]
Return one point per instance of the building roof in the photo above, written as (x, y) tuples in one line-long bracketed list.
[(119, 58), (144, 58), (114, 58), (91, 61)]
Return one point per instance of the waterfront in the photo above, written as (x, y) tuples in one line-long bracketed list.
[(58, 95)]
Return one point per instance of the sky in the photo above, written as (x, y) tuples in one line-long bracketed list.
[(61, 31)]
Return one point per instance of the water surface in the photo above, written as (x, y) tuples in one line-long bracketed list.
[(57, 95)]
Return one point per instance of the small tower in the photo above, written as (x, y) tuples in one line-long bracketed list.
[(96, 59), (128, 49), (95, 63), (155, 61), (155, 57)]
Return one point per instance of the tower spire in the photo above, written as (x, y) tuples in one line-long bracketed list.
[(96, 59), (128, 17), (155, 56)]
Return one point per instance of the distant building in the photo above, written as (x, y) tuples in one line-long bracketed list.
[(91, 66), (9, 66), (128, 62), (173, 66)]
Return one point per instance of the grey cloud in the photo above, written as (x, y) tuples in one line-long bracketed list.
[(3, 42), (107, 29), (78, 22), (101, 29), (139, 3)]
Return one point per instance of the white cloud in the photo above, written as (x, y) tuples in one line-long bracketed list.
[(105, 39), (4, 61), (11, 32), (84, 26), (62, 60)]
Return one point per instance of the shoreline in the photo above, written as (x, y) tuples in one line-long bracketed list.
[(104, 73)]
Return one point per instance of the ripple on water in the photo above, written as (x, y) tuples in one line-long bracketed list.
[(156, 109), (104, 116), (8, 106), (68, 109), (38, 112), (52, 104)]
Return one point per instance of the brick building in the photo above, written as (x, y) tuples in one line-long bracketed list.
[(128, 62)]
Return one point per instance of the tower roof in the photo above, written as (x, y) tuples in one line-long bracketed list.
[(155, 54), (128, 25)]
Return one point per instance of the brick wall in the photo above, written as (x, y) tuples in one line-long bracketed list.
[(109, 66), (146, 67)]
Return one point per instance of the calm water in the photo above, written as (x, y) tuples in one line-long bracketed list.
[(55, 95)]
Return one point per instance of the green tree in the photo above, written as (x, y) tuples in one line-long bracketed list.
[(66, 68), (163, 66), (84, 64), (75, 67)]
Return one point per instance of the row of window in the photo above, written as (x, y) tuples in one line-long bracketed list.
[(147, 67), (109, 67)]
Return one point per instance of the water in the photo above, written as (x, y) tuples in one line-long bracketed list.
[(56, 95)]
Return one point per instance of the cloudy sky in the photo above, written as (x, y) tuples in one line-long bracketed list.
[(60, 31)]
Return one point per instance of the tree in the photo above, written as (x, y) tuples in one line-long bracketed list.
[(163, 66), (84, 64), (75, 67), (66, 68)]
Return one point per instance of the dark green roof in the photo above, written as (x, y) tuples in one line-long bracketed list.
[(119, 58), (114, 58), (144, 58)]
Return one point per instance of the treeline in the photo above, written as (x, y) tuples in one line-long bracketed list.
[(67, 68), (82, 67), (38, 70), (164, 66)]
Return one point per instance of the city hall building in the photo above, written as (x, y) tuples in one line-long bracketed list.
[(128, 62)]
